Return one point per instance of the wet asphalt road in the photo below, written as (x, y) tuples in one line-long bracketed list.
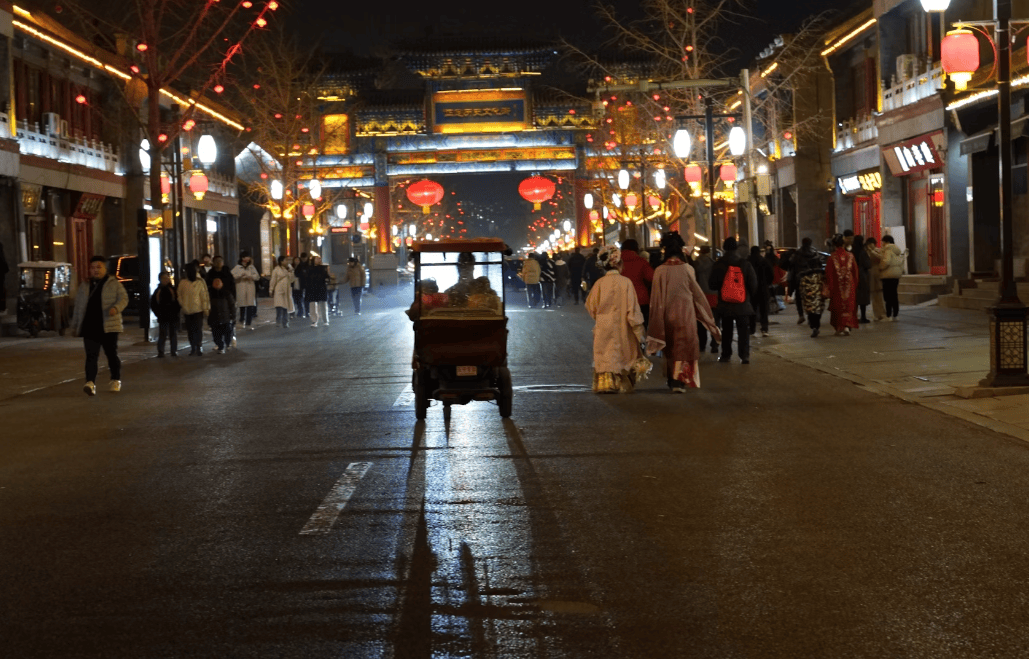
[(281, 501)]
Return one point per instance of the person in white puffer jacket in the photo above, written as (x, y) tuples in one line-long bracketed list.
[(891, 269), (246, 277)]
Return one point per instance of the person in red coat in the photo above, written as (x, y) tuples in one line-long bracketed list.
[(639, 272), (841, 282)]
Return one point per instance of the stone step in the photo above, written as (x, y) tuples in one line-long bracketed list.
[(917, 297), (935, 280), (964, 302)]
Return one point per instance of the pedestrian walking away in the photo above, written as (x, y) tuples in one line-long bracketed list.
[(891, 269), (702, 268), (221, 271), (281, 289), (811, 285), (638, 271), (316, 291), (761, 294), (677, 305), (530, 274), (576, 267), (246, 276), (863, 296), (735, 280), (355, 281), (562, 276), (591, 272), (97, 319), (841, 281), (799, 262), (165, 305), (618, 361), (548, 276), (196, 303)]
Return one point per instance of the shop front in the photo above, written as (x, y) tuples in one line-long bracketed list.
[(918, 164), (863, 192)]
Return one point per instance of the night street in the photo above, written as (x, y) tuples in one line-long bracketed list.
[(281, 501)]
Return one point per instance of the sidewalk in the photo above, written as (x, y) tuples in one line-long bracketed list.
[(931, 356)]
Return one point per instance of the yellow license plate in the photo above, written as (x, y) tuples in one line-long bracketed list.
[(463, 371)]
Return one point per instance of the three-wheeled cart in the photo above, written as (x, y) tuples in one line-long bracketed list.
[(460, 326), (43, 296)]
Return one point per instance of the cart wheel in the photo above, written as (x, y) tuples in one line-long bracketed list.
[(506, 392), (421, 394)]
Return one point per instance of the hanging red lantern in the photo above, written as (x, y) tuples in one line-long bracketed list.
[(959, 55), (165, 184), (308, 210), (537, 189), (692, 174), (727, 172), (654, 201), (631, 200), (594, 216), (425, 193), (198, 184)]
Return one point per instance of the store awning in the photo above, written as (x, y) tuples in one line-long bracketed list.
[(976, 143)]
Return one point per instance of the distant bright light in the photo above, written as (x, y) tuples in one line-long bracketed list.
[(623, 179), (737, 141), (428, 236), (144, 154), (276, 189), (587, 200), (681, 143), (567, 225), (341, 211), (659, 179), (315, 188), (207, 150), (616, 200), (412, 230), (369, 209)]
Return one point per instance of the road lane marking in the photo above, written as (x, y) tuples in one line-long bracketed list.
[(406, 397), (323, 518)]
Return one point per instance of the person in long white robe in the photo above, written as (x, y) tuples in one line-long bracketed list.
[(676, 304), (618, 331)]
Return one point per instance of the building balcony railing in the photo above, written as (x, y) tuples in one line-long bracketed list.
[(852, 132), (912, 89), (73, 150)]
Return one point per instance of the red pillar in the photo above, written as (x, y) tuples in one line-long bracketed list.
[(583, 230), (383, 221)]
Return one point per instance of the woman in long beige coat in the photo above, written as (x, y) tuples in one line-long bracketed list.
[(619, 327), (281, 287)]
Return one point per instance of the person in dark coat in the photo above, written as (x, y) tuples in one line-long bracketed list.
[(223, 312), (300, 272), (764, 281), (548, 277), (316, 290), (561, 278), (165, 305), (799, 262), (590, 272), (223, 272), (576, 267), (864, 287), (734, 313)]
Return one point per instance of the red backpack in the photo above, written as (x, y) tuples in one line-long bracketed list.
[(733, 289)]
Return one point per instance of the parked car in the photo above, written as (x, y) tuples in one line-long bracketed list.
[(126, 268)]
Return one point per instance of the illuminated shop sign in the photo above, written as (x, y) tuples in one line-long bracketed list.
[(915, 155), (870, 181)]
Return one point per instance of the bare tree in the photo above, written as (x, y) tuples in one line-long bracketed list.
[(173, 47)]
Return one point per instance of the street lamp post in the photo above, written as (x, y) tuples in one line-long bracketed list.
[(1008, 314)]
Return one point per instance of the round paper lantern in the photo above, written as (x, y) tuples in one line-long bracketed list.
[(692, 174), (654, 201), (727, 172), (425, 193), (594, 216), (537, 189), (165, 184), (198, 184), (307, 211), (959, 55), (631, 200)]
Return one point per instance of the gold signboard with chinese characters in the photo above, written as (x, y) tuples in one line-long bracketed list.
[(483, 155), (479, 111)]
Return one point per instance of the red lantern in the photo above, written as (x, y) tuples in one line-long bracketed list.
[(537, 189), (425, 193), (165, 184), (655, 202), (727, 172), (308, 211), (198, 184), (692, 174), (959, 55), (594, 216), (631, 200)]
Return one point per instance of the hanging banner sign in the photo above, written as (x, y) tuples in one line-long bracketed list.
[(89, 206), (487, 111), (915, 155)]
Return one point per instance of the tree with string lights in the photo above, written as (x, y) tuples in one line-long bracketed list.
[(182, 50)]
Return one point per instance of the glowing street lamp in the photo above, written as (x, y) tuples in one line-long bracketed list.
[(935, 5), (681, 143), (587, 200), (207, 150), (623, 178), (737, 141), (341, 211), (276, 190)]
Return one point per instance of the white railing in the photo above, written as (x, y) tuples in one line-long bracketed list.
[(223, 185), (74, 150), (852, 132), (913, 89)]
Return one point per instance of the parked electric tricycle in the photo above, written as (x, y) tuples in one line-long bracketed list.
[(43, 296)]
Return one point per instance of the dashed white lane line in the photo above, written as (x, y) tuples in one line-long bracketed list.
[(323, 518), (406, 398)]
